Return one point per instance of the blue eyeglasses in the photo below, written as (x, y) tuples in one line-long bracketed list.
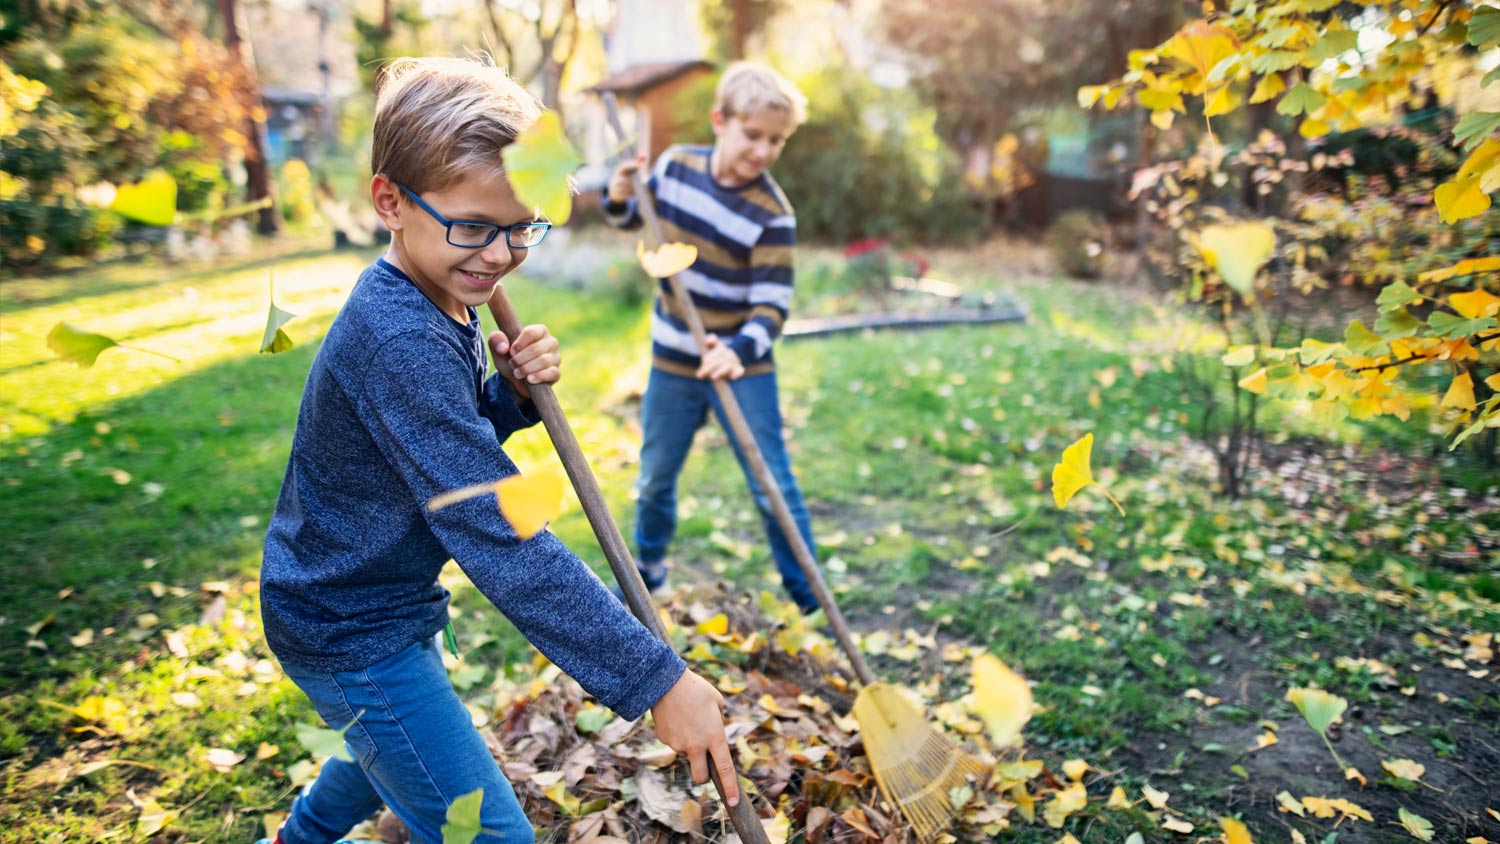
[(473, 234)]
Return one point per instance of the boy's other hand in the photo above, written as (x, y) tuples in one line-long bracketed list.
[(532, 359), (621, 188), (720, 361), (690, 720)]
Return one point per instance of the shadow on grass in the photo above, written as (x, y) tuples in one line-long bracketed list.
[(184, 475)]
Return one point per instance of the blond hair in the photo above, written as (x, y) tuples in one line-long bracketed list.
[(440, 119), (746, 88)]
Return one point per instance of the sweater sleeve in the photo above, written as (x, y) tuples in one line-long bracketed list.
[(506, 413), (771, 276), (417, 397)]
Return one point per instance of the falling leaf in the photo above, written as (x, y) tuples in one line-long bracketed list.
[(82, 347), (529, 502), (1235, 832), (1074, 769), (666, 260), (1352, 773), (1417, 825), (1157, 799), (1117, 799), (275, 341), (1001, 698), (1072, 473), (1237, 251), (152, 201), (462, 823), (323, 742), (83, 638), (539, 165), (1405, 769)]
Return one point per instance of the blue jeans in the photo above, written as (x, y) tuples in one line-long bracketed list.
[(672, 411), (415, 750)]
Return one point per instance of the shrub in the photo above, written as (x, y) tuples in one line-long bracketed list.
[(866, 164), (294, 190), (1077, 240)]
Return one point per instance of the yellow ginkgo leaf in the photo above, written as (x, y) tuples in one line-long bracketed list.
[(1237, 251), (1001, 699), (666, 260), (1477, 304), (1460, 199), (152, 201), (1235, 832), (1323, 807), (1255, 382), (1417, 825), (1117, 799), (1074, 769), (528, 502), (777, 828), (1064, 803), (1460, 393), (1157, 798), (1406, 769), (539, 165), (716, 626), (153, 818), (1468, 266), (1073, 473)]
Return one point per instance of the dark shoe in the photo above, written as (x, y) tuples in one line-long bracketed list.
[(655, 577)]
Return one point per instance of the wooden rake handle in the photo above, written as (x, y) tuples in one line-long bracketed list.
[(741, 430), (742, 817)]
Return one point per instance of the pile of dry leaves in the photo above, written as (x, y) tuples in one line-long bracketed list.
[(584, 775)]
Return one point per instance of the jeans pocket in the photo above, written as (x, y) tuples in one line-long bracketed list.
[(333, 704)]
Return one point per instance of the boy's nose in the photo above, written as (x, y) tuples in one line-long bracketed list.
[(498, 253)]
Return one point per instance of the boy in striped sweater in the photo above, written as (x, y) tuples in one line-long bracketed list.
[(722, 200)]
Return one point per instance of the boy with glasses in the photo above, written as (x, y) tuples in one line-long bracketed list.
[(397, 409), (722, 200)]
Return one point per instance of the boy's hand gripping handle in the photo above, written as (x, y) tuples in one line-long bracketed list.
[(742, 816)]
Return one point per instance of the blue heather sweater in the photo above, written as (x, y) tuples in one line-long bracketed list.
[(397, 410)]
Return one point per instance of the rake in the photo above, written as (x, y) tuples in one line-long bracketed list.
[(742, 816), (915, 764)]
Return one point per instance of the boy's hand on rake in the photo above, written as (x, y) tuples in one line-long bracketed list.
[(690, 719), (720, 361), (621, 187), (532, 359)]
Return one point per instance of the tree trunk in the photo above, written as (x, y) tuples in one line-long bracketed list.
[(257, 168)]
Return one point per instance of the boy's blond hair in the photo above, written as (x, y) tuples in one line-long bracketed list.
[(440, 119), (746, 88)]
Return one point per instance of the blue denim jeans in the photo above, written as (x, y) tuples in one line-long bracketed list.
[(415, 750), (672, 411)]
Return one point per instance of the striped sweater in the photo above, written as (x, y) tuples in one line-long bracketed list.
[(742, 280)]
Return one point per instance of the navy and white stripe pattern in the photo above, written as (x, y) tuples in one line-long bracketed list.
[(741, 282)]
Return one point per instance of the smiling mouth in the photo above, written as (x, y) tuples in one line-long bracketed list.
[(480, 279)]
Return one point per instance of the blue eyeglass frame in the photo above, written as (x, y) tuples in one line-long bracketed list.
[(494, 228)]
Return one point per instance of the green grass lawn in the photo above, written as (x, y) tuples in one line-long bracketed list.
[(134, 497)]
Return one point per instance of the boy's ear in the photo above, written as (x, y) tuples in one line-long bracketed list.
[(717, 120), (386, 198)]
